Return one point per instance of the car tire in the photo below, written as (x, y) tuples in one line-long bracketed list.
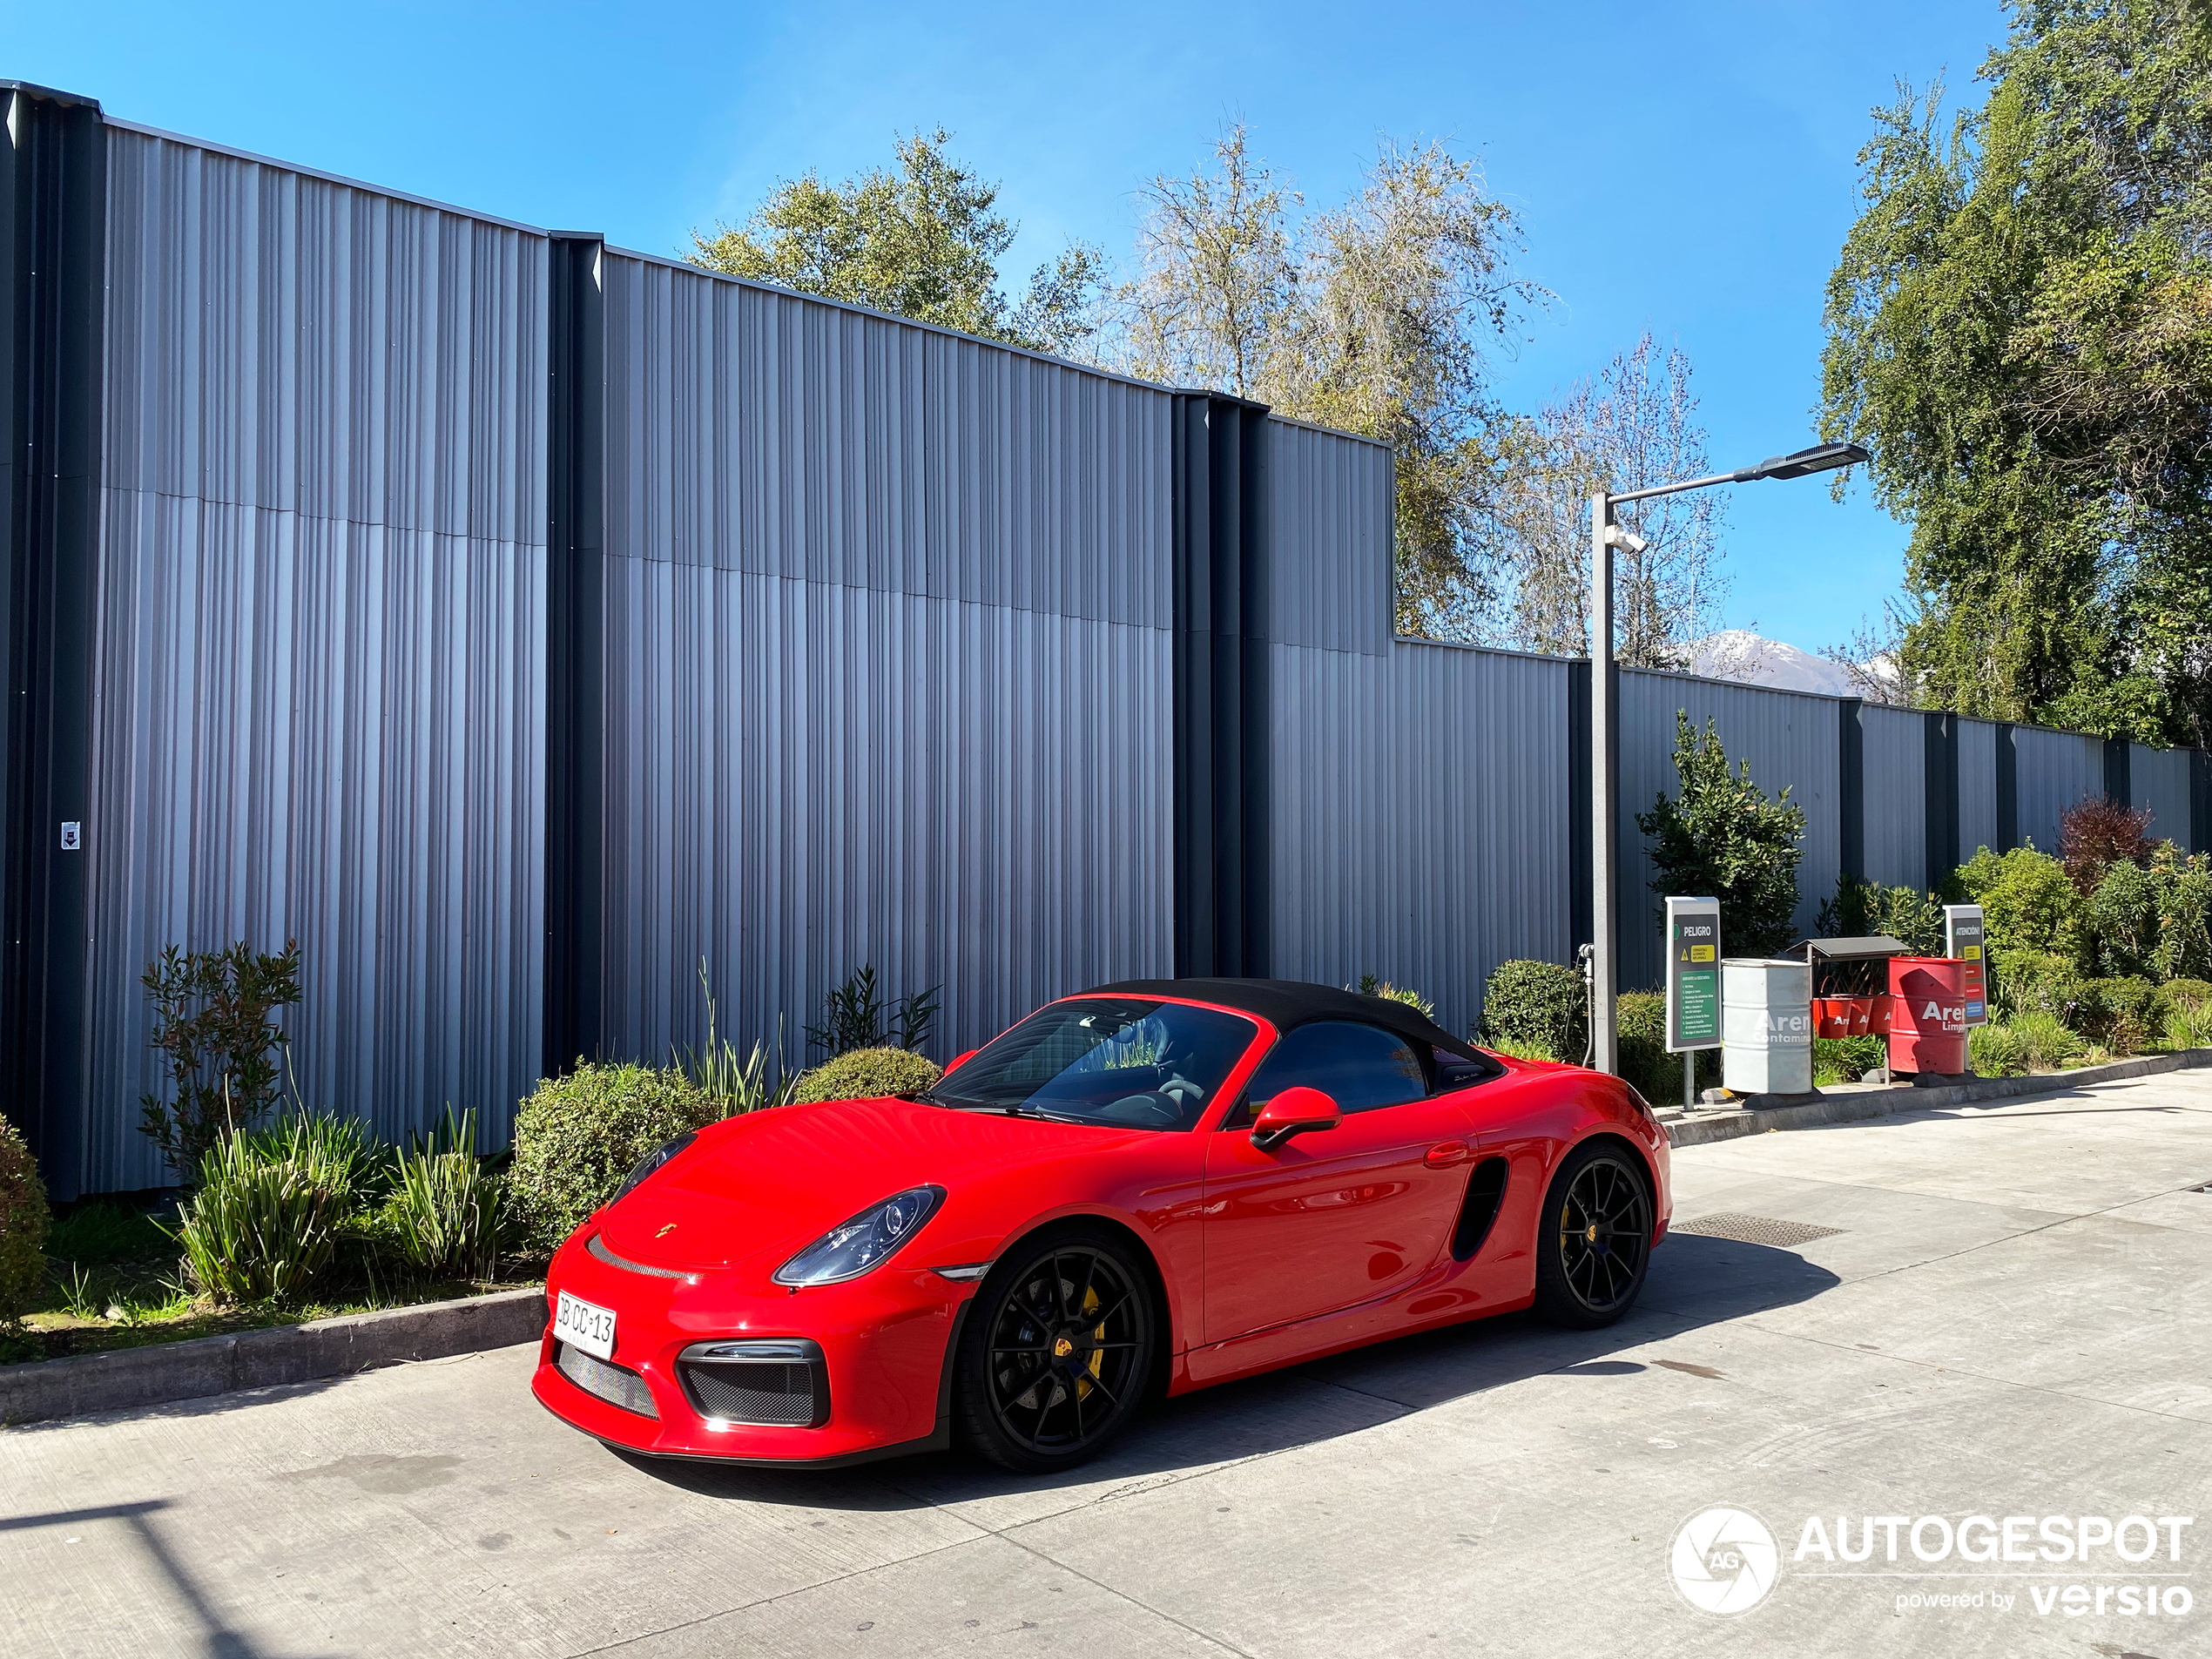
[(1057, 1350), (1594, 1237)]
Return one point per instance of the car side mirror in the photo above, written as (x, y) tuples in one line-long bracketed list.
[(956, 1062), (1293, 1112)]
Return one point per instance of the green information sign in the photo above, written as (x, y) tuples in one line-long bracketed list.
[(1693, 974)]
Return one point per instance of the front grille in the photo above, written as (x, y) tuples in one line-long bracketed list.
[(780, 1385), (616, 1385)]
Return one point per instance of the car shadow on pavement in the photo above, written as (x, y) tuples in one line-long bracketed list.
[(1695, 1281)]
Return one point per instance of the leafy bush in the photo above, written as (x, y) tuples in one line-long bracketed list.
[(2096, 833), (1535, 1006), (867, 1074), (1524, 1050), (2119, 930), (98, 1231), (855, 1016), (214, 1025), (338, 1152), (1369, 986), (2025, 980), (1642, 1017), (2027, 902), (1996, 1050), (1846, 1060), (1860, 908), (2045, 1039), (2118, 1014), (2189, 1025), (446, 1214), (2184, 883), (576, 1136), (1720, 837), (262, 1228), (2186, 993), (736, 1086), (23, 1221)]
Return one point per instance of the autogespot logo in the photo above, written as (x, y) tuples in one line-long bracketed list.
[(1724, 1561)]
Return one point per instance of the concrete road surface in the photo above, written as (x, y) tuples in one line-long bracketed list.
[(2003, 1313)]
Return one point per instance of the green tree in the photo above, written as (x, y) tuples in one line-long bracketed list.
[(1720, 837), (922, 242), (1373, 317), (2020, 323)]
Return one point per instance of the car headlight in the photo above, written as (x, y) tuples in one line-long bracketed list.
[(851, 1248), (650, 1161)]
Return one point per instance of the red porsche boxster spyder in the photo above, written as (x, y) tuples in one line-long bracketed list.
[(1147, 1188)]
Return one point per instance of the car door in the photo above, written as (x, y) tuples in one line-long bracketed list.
[(1336, 1217)]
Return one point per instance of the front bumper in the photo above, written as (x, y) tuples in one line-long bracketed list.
[(885, 1343)]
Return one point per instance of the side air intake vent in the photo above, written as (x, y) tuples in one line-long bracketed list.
[(1486, 1190)]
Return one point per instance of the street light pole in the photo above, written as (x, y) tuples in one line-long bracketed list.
[(1605, 717), (1605, 743)]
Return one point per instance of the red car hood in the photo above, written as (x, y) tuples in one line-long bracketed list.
[(774, 1182)]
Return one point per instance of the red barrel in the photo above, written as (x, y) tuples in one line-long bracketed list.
[(1928, 1018)]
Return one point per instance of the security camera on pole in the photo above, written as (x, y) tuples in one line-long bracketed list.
[(1605, 724)]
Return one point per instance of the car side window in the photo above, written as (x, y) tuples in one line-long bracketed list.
[(1361, 1067)]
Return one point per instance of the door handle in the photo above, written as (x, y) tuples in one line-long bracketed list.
[(1445, 1154)]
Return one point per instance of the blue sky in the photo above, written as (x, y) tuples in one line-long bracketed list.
[(1688, 169)]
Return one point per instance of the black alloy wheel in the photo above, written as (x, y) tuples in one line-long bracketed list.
[(1057, 1351), (1596, 1242)]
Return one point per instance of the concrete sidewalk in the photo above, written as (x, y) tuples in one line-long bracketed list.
[(2009, 1318)]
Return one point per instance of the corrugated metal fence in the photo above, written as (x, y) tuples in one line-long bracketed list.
[(889, 653)]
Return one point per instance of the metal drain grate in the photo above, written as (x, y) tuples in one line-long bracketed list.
[(1753, 1230)]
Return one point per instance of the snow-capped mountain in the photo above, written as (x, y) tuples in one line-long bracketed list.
[(1739, 654)]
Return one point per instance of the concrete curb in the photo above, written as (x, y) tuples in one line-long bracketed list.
[(163, 1371), (1858, 1106)]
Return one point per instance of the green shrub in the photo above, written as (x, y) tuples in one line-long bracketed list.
[(98, 1231), (736, 1086), (2027, 902), (1535, 1006), (338, 1151), (2182, 993), (2045, 1039), (855, 1016), (215, 1026), (2189, 1026), (2023, 981), (1860, 908), (446, 1214), (1524, 1050), (2119, 923), (2117, 1014), (1722, 837), (1369, 986), (1846, 1060), (1996, 1050), (22, 1227), (261, 1228), (1642, 1022), (2184, 948), (867, 1074), (575, 1138)]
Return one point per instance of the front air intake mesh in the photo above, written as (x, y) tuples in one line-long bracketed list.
[(616, 1385), (782, 1394)]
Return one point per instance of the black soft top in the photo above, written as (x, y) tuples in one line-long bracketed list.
[(1287, 1002)]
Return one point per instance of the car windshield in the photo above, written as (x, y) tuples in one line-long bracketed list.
[(1134, 1063)]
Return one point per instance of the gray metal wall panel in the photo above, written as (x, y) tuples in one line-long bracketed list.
[(2057, 770), (1978, 819), (754, 430), (1419, 813), (283, 341), (2160, 780), (888, 665), (1329, 551), (803, 778), (320, 633), (1789, 737), (1897, 792)]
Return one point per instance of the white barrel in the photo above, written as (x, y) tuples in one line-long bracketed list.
[(1766, 1026)]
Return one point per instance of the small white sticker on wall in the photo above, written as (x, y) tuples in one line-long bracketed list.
[(70, 836)]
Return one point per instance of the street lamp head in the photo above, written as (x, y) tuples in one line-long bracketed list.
[(1821, 457)]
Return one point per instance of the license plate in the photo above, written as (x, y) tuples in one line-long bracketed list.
[(584, 1325)]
